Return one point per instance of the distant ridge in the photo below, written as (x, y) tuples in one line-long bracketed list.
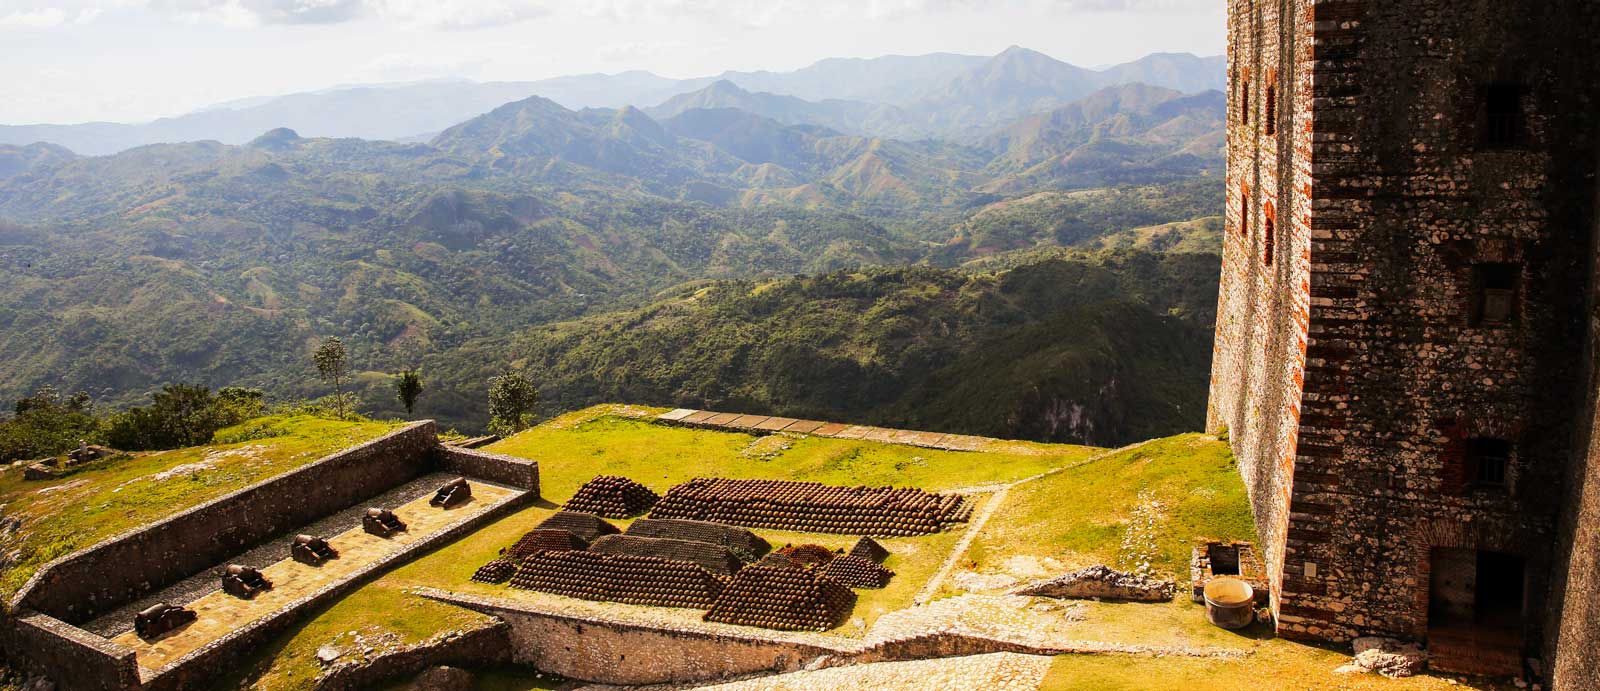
[(936, 95)]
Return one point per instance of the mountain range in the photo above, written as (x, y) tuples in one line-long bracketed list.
[(909, 97), (224, 264)]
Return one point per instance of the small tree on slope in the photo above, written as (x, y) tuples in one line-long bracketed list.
[(511, 401), (408, 385), (331, 366)]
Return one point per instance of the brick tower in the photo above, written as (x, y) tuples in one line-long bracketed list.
[(1405, 351)]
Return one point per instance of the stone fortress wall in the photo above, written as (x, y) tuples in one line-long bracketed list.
[(73, 589), (1355, 370)]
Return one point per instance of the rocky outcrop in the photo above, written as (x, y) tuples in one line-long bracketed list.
[(1101, 582)]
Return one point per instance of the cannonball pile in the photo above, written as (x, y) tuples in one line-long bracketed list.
[(629, 579), (813, 507), (612, 496), (787, 599)]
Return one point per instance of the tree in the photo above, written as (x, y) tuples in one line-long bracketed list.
[(408, 385), (511, 402), (333, 368)]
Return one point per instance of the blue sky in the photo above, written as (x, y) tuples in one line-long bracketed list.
[(135, 60)]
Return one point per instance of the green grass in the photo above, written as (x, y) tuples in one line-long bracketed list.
[(1079, 516), (67, 514), (376, 613), (658, 456)]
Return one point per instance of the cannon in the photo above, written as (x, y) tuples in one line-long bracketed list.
[(311, 550), (243, 581), (160, 618), (382, 522), (452, 493)]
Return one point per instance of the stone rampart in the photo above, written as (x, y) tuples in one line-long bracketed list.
[(497, 468), (81, 585)]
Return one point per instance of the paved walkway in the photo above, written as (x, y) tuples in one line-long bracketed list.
[(995, 671), (764, 423)]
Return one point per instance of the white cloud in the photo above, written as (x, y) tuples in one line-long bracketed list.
[(44, 18)]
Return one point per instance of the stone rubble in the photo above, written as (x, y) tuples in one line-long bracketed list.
[(1101, 582), (1386, 656)]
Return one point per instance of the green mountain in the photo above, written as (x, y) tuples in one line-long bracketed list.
[(1098, 350), (223, 264)]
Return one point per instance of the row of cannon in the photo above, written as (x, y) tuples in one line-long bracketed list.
[(245, 582)]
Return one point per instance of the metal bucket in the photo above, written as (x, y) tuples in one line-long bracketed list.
[(1230, 603)]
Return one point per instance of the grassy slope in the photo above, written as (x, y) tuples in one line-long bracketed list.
[(1079, 516), (64, 515)]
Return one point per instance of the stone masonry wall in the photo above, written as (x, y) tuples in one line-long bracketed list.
[(1348, 371), (616, 653), (78, 586), (1407, 199), (1262, 315), (74, 658), (1575, 611), (498, 468)]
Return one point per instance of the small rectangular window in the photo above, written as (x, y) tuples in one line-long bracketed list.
[(1487, 460), (1503, 102), (1494, 300)]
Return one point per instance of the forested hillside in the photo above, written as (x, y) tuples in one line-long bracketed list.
[(1097, 349), (224, 265)]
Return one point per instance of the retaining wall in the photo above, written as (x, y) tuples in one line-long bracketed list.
[(81, 585), (613, 652), (487, 645)]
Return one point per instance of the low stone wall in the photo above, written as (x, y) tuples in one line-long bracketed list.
[(75, 659), (612, 652), (498, 468), (77, 587), (486, 645)]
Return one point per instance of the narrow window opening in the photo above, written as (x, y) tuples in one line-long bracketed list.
[(1270, 116), (1268, 234), (1503, 103), (1244, 210), (1487, 461), (1494, 294)]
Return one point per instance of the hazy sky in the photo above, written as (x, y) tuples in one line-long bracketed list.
[(135, 60)]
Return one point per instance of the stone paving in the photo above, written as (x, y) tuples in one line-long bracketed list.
[(991, 672), (737, 422)]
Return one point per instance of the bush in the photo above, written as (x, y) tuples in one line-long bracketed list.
[(182, 415), (48, 424)]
